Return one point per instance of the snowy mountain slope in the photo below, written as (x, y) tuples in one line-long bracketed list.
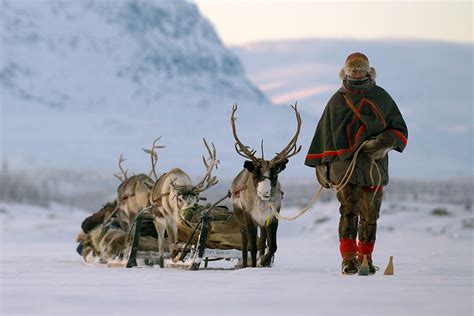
[(432, 259), (430, 81), (88, 54), (83, 81)]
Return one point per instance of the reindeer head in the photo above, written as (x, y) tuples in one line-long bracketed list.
[(189, 195), (186, 196), (265, 176), (265, 172)]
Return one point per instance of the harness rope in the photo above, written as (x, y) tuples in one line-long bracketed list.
[(336, 188), (157, 201), (292, 218), (350, 170)]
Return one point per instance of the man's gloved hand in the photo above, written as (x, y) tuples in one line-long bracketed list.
[(378, 146), (322, 176)]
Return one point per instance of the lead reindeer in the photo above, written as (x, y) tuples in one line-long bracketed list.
[(173, 192), (255, 191)]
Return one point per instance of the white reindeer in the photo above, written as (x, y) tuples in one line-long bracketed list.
[(255, 190)]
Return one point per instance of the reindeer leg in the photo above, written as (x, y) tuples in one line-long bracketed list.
[(252, 233), (266, 259), (262, 241), (160, 226), (172, 229), (243, 231), (245, 242)]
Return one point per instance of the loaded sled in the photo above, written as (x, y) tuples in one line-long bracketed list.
[(207, 233)]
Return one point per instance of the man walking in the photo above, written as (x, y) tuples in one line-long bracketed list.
[(363, 114)]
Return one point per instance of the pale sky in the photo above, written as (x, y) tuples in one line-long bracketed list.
[(240, 22)]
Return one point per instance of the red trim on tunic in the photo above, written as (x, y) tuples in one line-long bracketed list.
[(399, 135), (359, 131), (349, 126), (376, 111), (327, 153)]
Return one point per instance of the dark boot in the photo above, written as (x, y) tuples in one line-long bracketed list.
[(348, 248), (372, 268), (366, 249), (350, 265)]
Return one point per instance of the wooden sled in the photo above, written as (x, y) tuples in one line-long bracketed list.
[(219, 237), (208, 233)]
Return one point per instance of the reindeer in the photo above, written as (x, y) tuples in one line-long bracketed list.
[(255, 191), (105, 233), (173, 192), (133, 193)]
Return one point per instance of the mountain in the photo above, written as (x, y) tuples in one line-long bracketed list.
[(74, 54), (83, 81), (430, 81)]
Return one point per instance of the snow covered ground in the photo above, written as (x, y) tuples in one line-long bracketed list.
[(41, 274)]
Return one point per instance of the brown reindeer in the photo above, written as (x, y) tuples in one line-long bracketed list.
[(133, 193), (255, 191), (132, 196)]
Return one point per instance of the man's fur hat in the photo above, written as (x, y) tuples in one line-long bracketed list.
[(357, 61)]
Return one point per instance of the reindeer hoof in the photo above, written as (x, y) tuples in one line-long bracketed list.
[(264, 262), (149, 261)]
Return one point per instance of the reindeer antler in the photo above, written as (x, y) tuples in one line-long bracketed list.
[(154, 156), (291, 149), (208, 180), (173, 184), (240, 148), (121, 159)]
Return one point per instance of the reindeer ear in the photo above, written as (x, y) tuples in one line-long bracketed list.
[(249, 165), (282, 165)]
